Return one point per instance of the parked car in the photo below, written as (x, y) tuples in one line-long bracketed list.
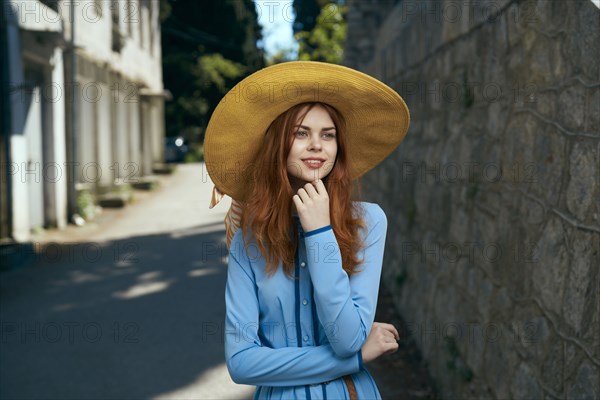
[(175, 149)]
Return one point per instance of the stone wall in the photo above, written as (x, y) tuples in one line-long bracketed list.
[(493, 248)]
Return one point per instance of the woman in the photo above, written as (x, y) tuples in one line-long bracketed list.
[(304, 269)]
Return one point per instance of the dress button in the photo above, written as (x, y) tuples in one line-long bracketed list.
[(305, 338), (303, 264), (305, 302)]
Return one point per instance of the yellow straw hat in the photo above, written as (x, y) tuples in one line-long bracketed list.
[(377, 118)]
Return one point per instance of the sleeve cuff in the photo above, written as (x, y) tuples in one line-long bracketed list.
[(315, 231)]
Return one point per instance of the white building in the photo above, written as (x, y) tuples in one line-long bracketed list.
[(112, 131)]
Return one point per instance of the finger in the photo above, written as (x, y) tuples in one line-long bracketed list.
[(393, 332), (392, 339), (392, 329), (297, 201), (303, 195), (390, 347), (396, 334), (389, 335), (320, 186), (310, 189)]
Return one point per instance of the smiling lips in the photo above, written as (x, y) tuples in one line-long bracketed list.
[(313, 163)]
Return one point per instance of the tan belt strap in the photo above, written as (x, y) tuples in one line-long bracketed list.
[(350, 386)]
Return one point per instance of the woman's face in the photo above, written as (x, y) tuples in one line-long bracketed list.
[(314, 139)]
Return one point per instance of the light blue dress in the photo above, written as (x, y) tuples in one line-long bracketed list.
[(295, 339)]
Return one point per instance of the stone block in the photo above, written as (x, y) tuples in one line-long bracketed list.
[(473, 335), (532, 213), (500, 360), (573, 357), (551, 373), (501, 305), (552, 16), (516, 66), (487, 248), (496, 119), (561, 68), (586, 383), (550, 273), (488, 205), (461, 273), (547, 166), (483, 301), (571, 108), (537, 58), (592, 115), (581, 287), (524, 384), (459, 225), (546, 102), (450, 28), (517, 146), (583, 39), (584, 179), (531, 333), (445, 304), (461, 326), (473, 281)]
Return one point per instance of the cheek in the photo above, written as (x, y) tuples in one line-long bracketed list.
[(293, 166), (333, 150), (294, 150)]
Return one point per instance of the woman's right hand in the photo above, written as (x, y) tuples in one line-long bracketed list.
[(382, 339)]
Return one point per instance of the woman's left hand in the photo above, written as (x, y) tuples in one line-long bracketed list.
[(312, 204)]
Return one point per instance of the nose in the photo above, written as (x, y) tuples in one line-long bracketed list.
[(315, 142)]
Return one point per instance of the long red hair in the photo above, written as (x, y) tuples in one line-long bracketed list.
[(268, 210)]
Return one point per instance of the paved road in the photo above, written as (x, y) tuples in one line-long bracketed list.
[(132, 307), (129, 308)]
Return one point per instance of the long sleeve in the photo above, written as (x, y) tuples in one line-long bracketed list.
[(346, 306), (248, 361)]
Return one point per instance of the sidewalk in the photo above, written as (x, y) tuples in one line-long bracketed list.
[(134, 218)]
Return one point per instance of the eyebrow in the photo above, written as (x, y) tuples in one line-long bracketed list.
[(324, 129)]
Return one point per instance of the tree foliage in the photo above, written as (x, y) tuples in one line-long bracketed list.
[(207, 46), (306, 14), (325, 42)]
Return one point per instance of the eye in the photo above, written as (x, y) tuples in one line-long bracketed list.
[(330, 135), (301, 133)]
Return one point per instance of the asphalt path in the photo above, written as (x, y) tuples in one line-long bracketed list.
[(129, 307)]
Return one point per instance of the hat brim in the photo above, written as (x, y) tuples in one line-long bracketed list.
[(377, 118)]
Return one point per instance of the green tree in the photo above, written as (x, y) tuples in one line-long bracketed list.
[(207, 46), (306, 14), (325, 42)]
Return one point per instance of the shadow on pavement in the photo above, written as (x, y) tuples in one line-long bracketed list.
[(137, 318)]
